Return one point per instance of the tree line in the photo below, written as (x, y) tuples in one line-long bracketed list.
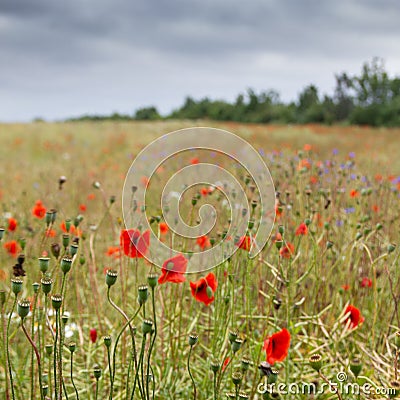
[(370, 98)]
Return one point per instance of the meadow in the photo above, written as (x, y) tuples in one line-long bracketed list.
[(84, 315)]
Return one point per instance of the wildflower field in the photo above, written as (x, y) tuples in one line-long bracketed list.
[(86, 315)]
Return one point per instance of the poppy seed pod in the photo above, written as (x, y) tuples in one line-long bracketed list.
[(143, 294), (152, 280), (72, 347), (46, 285), (55, 250), (193, 339), (244, 364), (73, 249), (65, 240), (107, 341), (147, 326), (49, 349), (36, 287), (214, 365), (237, 378), (44, 264), (56, 301), (395, 385), (23, 308), (232, 336), (316, 362), (273, 376), (391, 248), (97, 372), (236, 345), (355, 366), (66, 264), (111, 277), (16, 285)]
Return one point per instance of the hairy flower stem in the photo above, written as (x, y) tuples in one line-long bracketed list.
[(190, 374), (137, 379), (37, 358), (7, 347), (55, 350), (33, 335)]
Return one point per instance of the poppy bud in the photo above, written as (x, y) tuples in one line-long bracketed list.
[(111, 277), (22, 243), (251, 224), (93, 335), (236, 345), (367, 230), (210, 293), (46, 285), (391, 248), (355, 367), (97, 372), (329, 244), (307, 221), (66, 264), (44, 264), (55, 250), (281, 229), (147, 326), (16, 285), (23, 308), (143, 294), (358, 235), (49, 349), (107, 341), (1, 233), (237, 378), (194, 201), (378, 226), (36, 287), (82, 260), (326, 225), (152, 280), (316, 362), (56, 301), (193, 339), (279, 244), (72, 347)]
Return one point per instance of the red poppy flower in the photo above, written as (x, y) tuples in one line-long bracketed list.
[(203, 242), (82, 207), (203, 290), (302, 230), (354, 317), (93, 335), (113, 251), (39, 211), (194, 160), (163, 228), (276, 346), (12, 224), (225, 363), (287, 251), (12, 247), (354, 193), (51, 233), (307, 147), (346, 287), (134, 243), (366, 282), (244, 243), (205, 191), (173, 270), (91, 196)]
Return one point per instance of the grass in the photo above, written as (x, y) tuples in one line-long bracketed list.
[(348, 255)]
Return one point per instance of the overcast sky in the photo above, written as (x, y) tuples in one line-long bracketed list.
[(66, 58)]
